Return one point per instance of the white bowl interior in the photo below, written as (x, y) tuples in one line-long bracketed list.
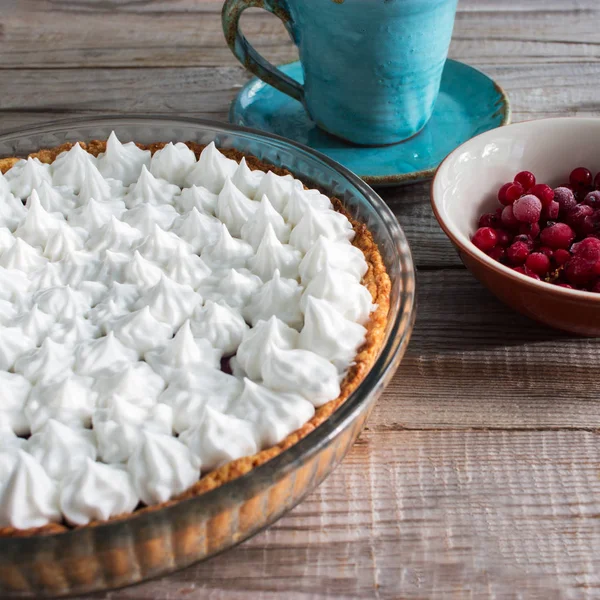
[(467, 182)]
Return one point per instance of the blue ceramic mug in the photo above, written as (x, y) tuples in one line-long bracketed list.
[(372, 68)]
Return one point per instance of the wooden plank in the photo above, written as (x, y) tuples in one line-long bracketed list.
[(425, 515), (188, 33), (475, 363)]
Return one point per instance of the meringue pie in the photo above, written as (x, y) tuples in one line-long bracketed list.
[(171, 316)]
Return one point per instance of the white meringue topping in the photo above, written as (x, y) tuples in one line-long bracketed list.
[(119, 426), (29, 498), (54, 199), (170, 302), (255, 228), (96, 492), (160, 245), (94, 186), (50, 362), (222, 326), (14, 391), (14, 285), (142, 271), (63, 241), (13, 343), (259, 344), (273, 256), (136, 383), (330, 334), (22, 257), (219, 438), (103, 356), (115, 235), (273, 415), (234, 286), (26, 176), (278, 297), (123, 162), (277, 189), (300, 199), (150, 189), (246, 180), (211, 170), (198, 229), (183, 351), (173, 163), (12, 211), (63, 303), (69, 168), (60, 448), (93, 214), (70, 401), (338, 255), (198, 197), (145, 216), (227, 251), (234, 208), (187, 269), (140, 330), (161, 467), (315, 223)]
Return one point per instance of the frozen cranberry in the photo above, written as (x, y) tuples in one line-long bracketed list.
[(526, 179), (581, 271), (550, 212), (557, 235), (526, 271), (530, 229), (538, 263), (497, 253), (502, 193), (576, 218), (513, 192), (504, 238), (593, 199), (508, 218), (517, 253), (561, 256), (547, 251), (544, 192), (484, 238), (565, 198), (580, 177), (589, 248), (489, 220), (597, 181)]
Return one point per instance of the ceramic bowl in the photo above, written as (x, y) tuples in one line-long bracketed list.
[(148, 544), (465, 186)]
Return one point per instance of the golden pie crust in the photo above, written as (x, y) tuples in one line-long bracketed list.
[(376, 280)]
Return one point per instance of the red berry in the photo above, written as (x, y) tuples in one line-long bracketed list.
[(597, 181), (489, 220), (517, 253), (508, 218), (527, 209), (497, 253), (581, 271), (557, 235), (588, 248), (561, 256), (526, 179), (544, 192), (565, 198), (593, 199), (576, 217), (526, 271), (513, 192), (580, 177), (502, 193), (485, 238), (538, 263), (547, 251), (525, 238), (504, 238), (550, 212), (530, 229)]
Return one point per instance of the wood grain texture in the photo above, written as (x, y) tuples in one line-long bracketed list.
[(479, 474), (425, 515)]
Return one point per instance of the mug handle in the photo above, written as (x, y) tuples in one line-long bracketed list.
[(247, 55)]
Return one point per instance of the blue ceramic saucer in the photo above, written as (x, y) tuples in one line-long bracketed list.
[(468, 104)]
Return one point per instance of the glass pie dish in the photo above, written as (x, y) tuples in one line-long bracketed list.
[(146, 544)]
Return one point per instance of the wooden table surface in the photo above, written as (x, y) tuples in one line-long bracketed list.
[(479, 473)]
